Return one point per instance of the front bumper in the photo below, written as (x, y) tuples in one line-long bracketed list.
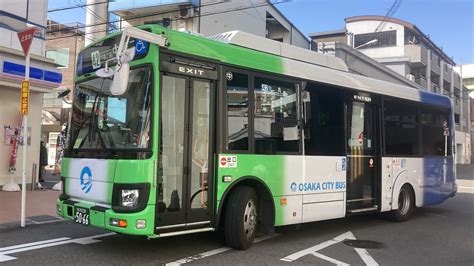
[(100, 216)]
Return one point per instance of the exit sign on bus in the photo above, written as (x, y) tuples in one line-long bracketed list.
[(26, 38), (25, 92)]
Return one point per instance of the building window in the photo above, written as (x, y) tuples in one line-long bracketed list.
[(51, 100), (237, 111), (456, 119), (275, 117), (384, 39), (401, 129), (60, 56)]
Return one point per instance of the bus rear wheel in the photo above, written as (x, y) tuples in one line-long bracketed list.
[(241, 218), (406, 205)]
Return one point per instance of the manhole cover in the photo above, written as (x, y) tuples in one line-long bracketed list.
[(369, 244)]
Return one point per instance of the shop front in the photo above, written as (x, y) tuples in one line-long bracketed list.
[(44, 77)]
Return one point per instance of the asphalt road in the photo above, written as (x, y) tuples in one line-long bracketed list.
[(439, 235)]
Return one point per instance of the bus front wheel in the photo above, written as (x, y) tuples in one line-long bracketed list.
[(241, 218), (406, 205)]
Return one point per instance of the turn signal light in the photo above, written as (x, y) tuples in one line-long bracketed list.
[(117, 222), (122, 223)]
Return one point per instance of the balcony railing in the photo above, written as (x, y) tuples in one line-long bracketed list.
[(132, 4), (416, 53), (422, 82), (435, 63)]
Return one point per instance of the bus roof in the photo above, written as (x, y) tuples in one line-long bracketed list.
[(264, 55)]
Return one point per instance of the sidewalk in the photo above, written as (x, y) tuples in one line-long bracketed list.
[(38, 203), (465, 171)]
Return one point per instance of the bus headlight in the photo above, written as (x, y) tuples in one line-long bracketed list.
[(129, 197)]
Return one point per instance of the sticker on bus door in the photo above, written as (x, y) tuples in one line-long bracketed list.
[(228, 161)]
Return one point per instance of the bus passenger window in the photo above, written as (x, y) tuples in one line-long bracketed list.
[(324, 130), (237, 111), (401, 129), (275, 117), (434, 140)]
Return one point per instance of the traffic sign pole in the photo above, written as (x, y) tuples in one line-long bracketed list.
[(25, 37), (25, 145)]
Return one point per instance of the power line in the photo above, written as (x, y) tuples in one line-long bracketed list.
[(155, 14), (202, 15), (393, 9), (74, 7), (90, 11)]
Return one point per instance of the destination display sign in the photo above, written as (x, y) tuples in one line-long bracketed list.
[(95, 56)]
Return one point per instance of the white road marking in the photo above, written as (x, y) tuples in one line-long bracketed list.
[(47, 243), (365, 256), (363, 253), (58, 219), (326, 258), (212, 252), (33, 243)]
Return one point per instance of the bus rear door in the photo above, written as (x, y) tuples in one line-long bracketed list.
[(363, 155)]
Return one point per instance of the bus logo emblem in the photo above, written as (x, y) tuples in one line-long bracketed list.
[(86, 179), (293, 187)]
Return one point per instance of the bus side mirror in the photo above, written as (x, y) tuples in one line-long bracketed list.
[(120, 74), (122, 71), (306, 97)]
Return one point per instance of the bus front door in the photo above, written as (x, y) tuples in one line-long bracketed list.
[(184, 158), (362, 145)]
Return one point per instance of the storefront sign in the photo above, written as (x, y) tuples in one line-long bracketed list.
[(25, 92)]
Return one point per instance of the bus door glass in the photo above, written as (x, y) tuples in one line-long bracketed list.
[(361, 151), (185, 151)]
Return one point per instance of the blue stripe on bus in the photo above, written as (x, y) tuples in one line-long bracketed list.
[(435, 99), (439, 180)]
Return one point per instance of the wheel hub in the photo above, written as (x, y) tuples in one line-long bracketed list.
[(250, 218)]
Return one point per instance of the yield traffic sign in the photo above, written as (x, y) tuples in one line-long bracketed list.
[(26, 38)]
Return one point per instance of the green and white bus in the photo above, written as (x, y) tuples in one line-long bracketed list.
[(173, 133)]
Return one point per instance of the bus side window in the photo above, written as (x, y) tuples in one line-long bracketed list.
[(434, 139), (401, 128), (237, 111), (324, 125), (275, 117)]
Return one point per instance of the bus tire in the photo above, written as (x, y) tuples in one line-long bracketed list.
[(241, 218), (406, 205)]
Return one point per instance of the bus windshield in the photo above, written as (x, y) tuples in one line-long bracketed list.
[(109, 126)]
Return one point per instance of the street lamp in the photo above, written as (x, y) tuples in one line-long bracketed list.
[(367, 43)]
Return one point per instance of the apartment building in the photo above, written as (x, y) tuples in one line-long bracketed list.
[(467, 74), (405, 49), (210, 17)]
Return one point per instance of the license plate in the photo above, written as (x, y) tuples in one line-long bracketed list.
[(82, 216)]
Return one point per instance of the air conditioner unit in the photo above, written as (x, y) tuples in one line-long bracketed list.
[(410, 77), (186, 11)]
